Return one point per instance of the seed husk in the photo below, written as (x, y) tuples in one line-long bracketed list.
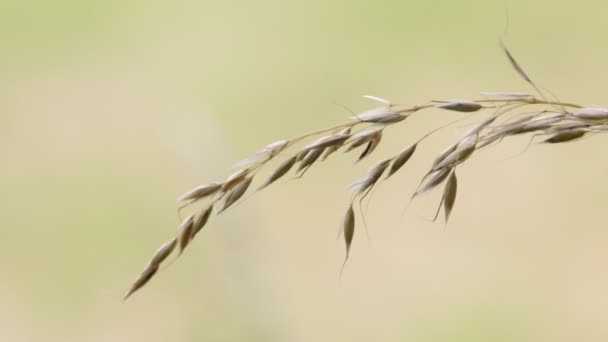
[(200, 192), (516, 65), (432, 179), (333, 148), (373, 114), (277, 146), (401, 159), (371, 146), (163, 252), (200, 221), (363, 137), (310, 158), (185, 233), (266, 153), (444, 154), (592, 113), (234, 179), (386, 119), (348, 226), (464, 150), (465, 106), (371, 177), (566, 136), (326, 141), (279, 171), (236, 193), (449, 195), (568, 127), (144, 277)]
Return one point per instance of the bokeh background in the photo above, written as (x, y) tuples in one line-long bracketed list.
[(111, 109)]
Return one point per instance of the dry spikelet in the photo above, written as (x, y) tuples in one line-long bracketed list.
[(371, 177), (326, 141), (449, 195), (401, 159), (266, 153), (348, 226), (432, 179), (566, 136), (464, 150), (159, 256), (163, 252), (540, 123), (465, 106), (362, 137), (556, 125), (185, 232), (371, 145), (310, 158), (253, 159), (516, 65), (279, 171), (333, 148), (200, 192), (570, 126), (373, 115), (444, 154), (277, 146), (386, 119), (144, 277), (236, 193), (234, 179), (200, 221), (592, 114)]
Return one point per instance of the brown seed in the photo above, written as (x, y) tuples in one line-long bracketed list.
[(449, 195), (565, 136), (401, 159), (279, 171), (349, 230)]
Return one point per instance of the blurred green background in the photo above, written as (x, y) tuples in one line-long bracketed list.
[(111, 109)]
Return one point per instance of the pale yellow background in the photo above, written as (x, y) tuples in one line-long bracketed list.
[(111, 109)]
